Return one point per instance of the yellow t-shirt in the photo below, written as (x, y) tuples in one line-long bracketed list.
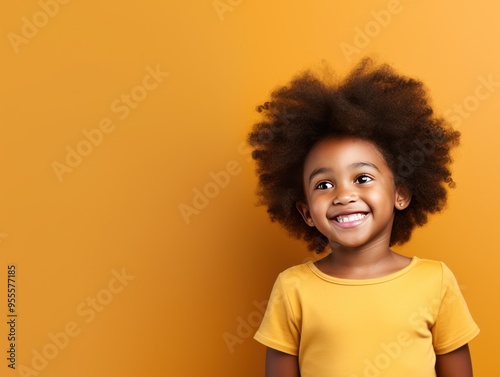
[(391, 326)]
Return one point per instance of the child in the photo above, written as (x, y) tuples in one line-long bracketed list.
[(355, 167)]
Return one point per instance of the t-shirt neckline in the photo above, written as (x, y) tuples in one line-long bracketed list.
[(369, 281)]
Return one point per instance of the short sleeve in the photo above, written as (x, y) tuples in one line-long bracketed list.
[(279, 328), (454, 326)]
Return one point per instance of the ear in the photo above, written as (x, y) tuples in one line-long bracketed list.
[(402, 198), (303, 208)]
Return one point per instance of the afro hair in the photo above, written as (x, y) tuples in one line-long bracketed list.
[(373, 103)]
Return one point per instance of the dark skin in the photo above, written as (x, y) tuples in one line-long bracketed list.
[(280, 364), (454, 364), (349, 179)]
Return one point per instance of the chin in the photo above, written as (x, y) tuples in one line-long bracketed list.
[(347, 245), (354, 244)]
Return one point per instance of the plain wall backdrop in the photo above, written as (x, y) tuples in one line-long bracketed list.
[(127, 199)]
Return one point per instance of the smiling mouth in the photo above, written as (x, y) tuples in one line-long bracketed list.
[(350, 218)]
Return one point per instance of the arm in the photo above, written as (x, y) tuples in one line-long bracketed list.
[(280, 364), (454, 364)]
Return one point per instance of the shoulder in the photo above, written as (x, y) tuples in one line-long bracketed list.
[(430, 266), (299, 270), (295, 276), (437, 271)]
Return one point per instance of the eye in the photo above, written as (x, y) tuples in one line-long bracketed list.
[(324, 186), (363, 179)]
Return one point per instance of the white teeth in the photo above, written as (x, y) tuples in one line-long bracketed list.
[(353, 217)]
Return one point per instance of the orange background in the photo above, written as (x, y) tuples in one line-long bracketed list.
[(190, 299)]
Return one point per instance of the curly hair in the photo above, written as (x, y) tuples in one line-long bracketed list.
[(373, 103)]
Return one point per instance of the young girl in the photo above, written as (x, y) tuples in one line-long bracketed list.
[(354, 167)]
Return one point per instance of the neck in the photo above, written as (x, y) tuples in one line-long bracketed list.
[(365, 254), (364, 262)]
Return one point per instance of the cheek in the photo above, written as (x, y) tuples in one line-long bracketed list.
[(389, 201), (383, 198), (319, 204)]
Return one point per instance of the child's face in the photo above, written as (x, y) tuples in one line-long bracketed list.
[(350, 193)]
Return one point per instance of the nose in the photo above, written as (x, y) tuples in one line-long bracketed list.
[(344, 194)]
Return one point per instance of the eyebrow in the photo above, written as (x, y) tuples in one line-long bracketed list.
[(317, 171), (355, 165), (363, 164)]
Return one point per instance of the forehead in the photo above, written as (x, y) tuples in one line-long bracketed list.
[(342, 153)]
